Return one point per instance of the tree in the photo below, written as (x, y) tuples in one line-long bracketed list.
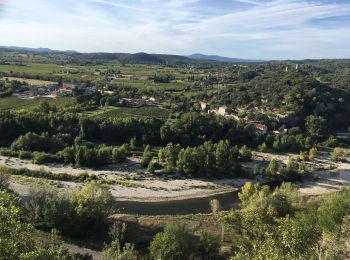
[(14, 234), (170, 154), (299, 236), (116, 250), (256, 170), (133, 143), (332, 211), (151, 168), (316, 126), (146, 156), (277, 146), (263, 147), (45, 107), (272, 168), (174, 243), (223, 158), (93, 203), (215, 207), (245, 153), (74, 213), (47, 209), (118, 155)]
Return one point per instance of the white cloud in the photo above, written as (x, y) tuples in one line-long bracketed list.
[(263, 29), (118, 5), (252, 2)]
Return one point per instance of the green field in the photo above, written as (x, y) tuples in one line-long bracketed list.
[(97, 72), (114, 112), (30, 68), (15, 103)]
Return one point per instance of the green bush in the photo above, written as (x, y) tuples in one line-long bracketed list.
[(4, 180), (82, 177), (42, 158), (73, 214), (174, 243)]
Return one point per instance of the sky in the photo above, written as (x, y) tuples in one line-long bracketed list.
[(258, 29)]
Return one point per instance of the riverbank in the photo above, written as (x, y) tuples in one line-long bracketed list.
[(133, 185)]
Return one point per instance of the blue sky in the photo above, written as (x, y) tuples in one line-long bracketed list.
[(264, 29)]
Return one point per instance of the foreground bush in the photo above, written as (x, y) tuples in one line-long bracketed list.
[(279, 224), (16, 241), (73, 214)]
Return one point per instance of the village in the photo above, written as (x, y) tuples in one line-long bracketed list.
[(240, 115)]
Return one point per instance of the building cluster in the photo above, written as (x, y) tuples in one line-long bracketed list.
[(54, 90), (258, 126)]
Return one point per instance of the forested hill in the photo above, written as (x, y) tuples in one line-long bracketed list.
[(45, 55)]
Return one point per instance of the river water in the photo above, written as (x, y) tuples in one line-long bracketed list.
[(227, 201)]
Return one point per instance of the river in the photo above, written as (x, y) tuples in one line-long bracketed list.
[(227, 201)]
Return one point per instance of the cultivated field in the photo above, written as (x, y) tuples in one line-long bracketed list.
[(32, 82), (14, 103)]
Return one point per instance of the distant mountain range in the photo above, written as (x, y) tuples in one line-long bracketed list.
[(128, 58), (198, 56), (42, 50)]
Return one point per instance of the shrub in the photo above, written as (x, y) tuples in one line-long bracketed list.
[(339, 154), (83, 177), (119, 155), (41, 143), (73, 214), (93, 204), (331, 141), (313, 153), (245, 153), (41, 158), (25, 155), (4, 180), (263, 148), (272, 168), (151, 168), (174, 243), (208, 247), (332, 211)]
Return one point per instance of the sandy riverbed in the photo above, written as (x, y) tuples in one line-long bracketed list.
[(138, 186)]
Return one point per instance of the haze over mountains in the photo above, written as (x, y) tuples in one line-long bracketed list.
[(140, 57), (199, 56)]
